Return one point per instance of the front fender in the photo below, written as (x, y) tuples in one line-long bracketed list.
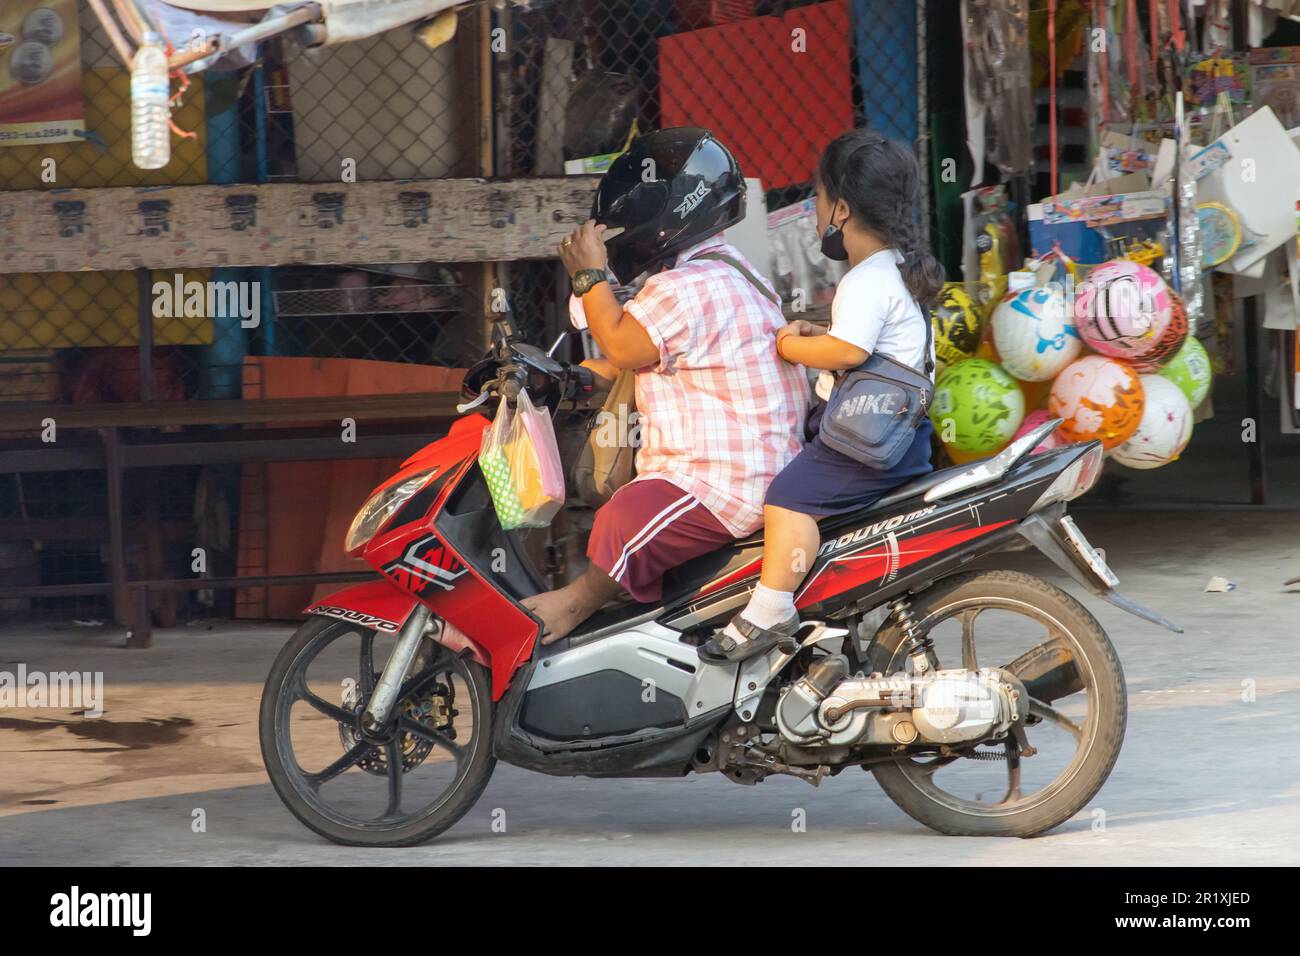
[(383, 606)]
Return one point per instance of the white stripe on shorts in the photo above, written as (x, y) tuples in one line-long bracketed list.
[(652, 527)]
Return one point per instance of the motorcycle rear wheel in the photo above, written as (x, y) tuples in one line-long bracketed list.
[(425, 734), (910, 782)]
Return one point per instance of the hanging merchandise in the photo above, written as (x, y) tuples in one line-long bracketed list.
[(1139, 80), (1220, 233), (1108, 215), (798, 266), (1035, 334), (1122, 309), (991, 243), (1165, 428), (1264, 165), (999, 101), (600, 118), (1185, 253), (1275, 82), (521, 464), (977, 406), (1121, 155), (1217, 34), (1039, 416), (958, 324), (1097, 398), (1169, 343), (1213, 75), (1191, 371)]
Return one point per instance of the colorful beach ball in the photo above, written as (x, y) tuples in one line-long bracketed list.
[(957, 325), (1034, 332), (1170, 342), (977, 406), (1165, 429), (1098, 398), (1190, 370), (1032, 421), (1122, 309)]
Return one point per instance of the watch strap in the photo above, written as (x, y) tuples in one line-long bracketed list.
[(584, 280)]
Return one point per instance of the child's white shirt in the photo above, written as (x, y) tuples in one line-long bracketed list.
[(873, 310)]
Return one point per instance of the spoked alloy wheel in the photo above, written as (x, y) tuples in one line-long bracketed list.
[(1077, 711), (397, 785)]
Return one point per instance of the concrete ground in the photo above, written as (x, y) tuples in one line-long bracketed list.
[(1208, 774)]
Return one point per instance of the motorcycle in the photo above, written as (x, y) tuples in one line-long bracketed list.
[(385, 714)]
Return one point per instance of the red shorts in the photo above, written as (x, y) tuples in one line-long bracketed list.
[(647, 528)]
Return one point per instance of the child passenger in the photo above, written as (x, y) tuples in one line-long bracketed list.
[(866, 211)]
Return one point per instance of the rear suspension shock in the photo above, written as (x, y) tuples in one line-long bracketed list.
[(920, 649)]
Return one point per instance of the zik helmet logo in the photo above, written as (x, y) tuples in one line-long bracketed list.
[(693, 199)]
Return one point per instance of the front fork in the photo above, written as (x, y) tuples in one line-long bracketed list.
[(418, 625)]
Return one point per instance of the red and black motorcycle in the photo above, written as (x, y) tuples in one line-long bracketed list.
[(386, 712)]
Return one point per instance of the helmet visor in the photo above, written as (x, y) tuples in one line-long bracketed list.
[(617, 205)]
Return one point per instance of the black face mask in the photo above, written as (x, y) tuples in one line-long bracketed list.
[(833, 243)]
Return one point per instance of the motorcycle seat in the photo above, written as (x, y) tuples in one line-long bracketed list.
[(686, 579), (697, 572)]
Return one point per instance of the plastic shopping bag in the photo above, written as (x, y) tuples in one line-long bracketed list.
[(521, 463)]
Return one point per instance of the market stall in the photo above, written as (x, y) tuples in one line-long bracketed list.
[(1148, 154)]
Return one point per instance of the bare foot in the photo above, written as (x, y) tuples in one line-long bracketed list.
[(561, 611)]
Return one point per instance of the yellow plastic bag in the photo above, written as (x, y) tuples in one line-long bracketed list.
[(520, 461)]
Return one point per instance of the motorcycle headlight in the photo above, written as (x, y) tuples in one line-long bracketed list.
[(1080, 475), (381, 506)]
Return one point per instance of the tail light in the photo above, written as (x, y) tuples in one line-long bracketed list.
[(1080, 475)]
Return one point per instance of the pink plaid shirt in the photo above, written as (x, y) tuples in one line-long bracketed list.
[(721, 413)]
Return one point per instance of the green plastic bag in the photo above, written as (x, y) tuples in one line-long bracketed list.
[(521, 464)]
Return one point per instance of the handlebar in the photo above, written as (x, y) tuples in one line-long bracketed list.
[(574, 381)]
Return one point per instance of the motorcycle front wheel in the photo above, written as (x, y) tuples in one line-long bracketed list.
[(398, 786), (1077, 711)]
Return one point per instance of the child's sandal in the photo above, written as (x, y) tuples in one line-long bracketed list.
[(722, 648)]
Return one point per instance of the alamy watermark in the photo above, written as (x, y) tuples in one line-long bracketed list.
[(207, 300), (67, 690), (133, 911)]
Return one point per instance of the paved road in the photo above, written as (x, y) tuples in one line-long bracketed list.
[(1205, 777)]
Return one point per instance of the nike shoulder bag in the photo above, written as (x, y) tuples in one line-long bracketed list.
[(874, 409)]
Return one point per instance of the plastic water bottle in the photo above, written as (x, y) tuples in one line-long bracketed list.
[(151, 145)]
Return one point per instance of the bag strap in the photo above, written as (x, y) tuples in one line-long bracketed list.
[(775, 299), (928, 361), (739, 267), (928, 319)]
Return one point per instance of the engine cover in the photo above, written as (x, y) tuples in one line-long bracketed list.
[(957, 706), (945, 707)]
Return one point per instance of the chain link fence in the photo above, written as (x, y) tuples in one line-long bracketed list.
[(532, 90), (776, 81), (571, 79)]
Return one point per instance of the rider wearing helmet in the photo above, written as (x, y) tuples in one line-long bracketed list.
[(719, 413)]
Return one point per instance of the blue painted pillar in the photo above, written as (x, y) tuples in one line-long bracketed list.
[(221, 375), (885, 34)]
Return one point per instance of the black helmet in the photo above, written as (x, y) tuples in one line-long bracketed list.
[(670, 190)]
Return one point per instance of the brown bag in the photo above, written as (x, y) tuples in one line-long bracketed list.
[(604, 466)]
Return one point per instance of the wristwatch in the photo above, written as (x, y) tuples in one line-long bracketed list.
[(585, 279)]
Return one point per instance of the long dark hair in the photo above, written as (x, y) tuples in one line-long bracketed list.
[(877, 178)]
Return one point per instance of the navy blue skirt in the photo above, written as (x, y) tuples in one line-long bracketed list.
[(822, 482)]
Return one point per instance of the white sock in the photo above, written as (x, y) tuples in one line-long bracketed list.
[(767, 607)]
